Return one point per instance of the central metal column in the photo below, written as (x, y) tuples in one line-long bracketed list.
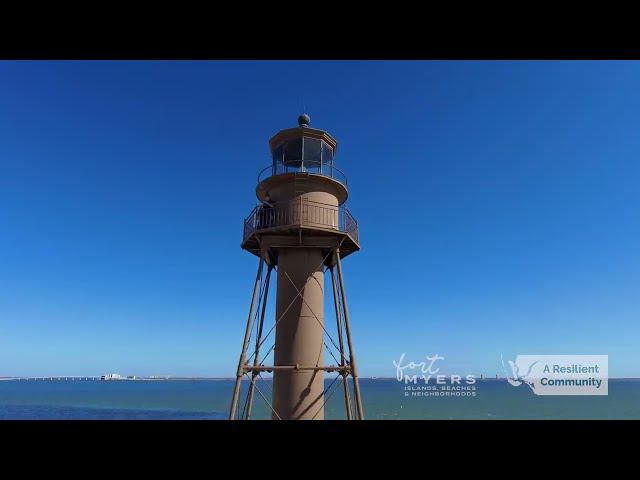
[(298, 394)]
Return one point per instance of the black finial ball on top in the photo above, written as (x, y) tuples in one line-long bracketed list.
[(304, 120)]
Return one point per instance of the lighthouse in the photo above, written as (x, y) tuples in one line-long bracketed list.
[(300, 231)]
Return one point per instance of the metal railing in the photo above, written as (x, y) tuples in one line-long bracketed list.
[(301, 212), (303, 166)]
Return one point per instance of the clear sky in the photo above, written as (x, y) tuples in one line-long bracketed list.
[(498, 204)]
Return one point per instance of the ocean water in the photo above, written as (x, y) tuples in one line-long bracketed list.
[(383, 399)]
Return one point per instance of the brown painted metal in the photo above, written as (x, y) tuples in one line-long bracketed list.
[(345, 382), (309, 228), (245, 344), (253, 382), (299, 132), (280, 317), (268, 368), (298, 394), (347, 326), (256, 353)]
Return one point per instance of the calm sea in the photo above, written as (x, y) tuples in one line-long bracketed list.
[(383, 399)]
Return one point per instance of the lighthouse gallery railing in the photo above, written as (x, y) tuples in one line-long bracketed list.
[(303, 166), (301, 212)]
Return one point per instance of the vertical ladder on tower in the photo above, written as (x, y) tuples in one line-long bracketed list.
[(301, 183), (300, 187)]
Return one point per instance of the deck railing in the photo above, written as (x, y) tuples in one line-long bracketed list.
[(307, 166), (301, 212)]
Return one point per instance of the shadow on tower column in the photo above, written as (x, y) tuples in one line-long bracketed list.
[(302, 229)]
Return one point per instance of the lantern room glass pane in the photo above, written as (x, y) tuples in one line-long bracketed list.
[(312, 152), (293, 153), (327, 154), (277, 156)]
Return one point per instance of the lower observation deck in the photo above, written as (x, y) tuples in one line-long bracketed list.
[(299, 220)]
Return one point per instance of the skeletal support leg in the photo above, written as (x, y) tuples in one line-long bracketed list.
[(245, 344), (354, 371), (256, 360), (345, 382), (298, 387)]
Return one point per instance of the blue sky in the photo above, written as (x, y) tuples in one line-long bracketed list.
[(498, 208)]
